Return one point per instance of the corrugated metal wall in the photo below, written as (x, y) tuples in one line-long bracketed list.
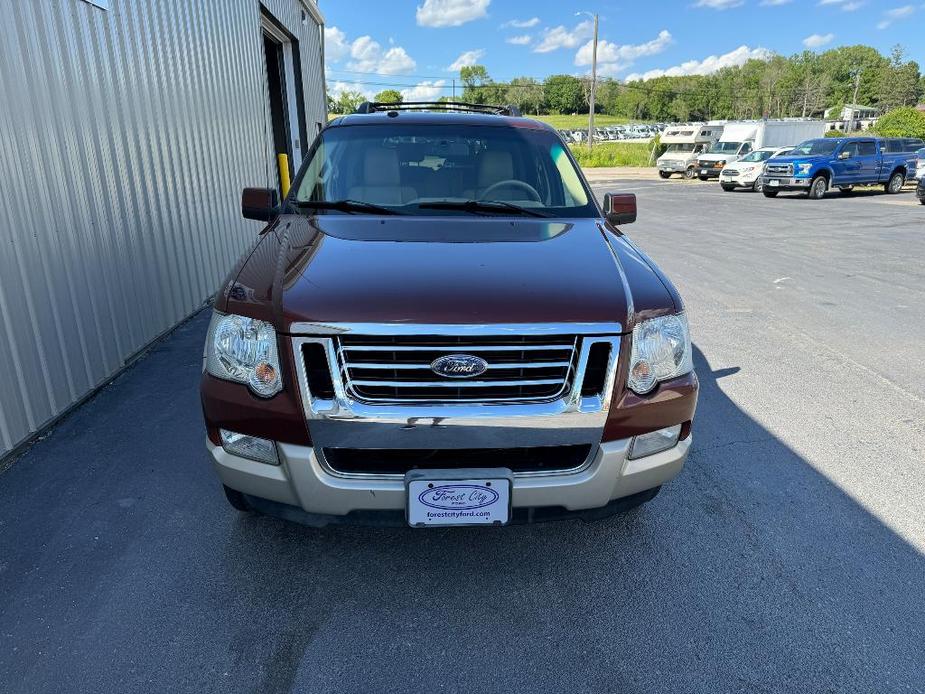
[(126, 136)]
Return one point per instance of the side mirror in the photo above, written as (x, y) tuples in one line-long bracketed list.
[(844, 155), (620, 208), (261, 204)]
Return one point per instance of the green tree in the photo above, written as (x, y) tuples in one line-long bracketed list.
[(389, 96), (899, 81), (905, 121), (525, 93), (348, 101), (563, 94), (478, 86)]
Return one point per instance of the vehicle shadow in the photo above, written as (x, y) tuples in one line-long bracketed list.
[(751, 572), (123, 569)]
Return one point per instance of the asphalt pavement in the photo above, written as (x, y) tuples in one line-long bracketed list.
[(787, 557)]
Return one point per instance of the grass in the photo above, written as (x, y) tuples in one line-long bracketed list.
[(613, 154), (579, 121)]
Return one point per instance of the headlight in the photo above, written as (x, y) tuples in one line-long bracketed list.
[(244, 350), (804, 168), (661, 351)]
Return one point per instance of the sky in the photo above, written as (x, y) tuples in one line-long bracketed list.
[(418, 46)]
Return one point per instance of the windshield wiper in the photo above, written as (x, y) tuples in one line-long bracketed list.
[(343, 205), (481, 206)]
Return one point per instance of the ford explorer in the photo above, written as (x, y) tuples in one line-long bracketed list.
[(438, 326)]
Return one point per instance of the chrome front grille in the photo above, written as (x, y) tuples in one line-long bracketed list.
[(779, 169), (397, 368)]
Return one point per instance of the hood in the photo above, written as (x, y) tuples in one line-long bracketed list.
[(801, 158), (358, 269), (718, 157)]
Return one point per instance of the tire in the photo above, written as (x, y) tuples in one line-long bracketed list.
[(770, 193), (728, 188), (896, 183), (664, 174), (922, 201), (689, 173), (757, 186), (237, 500), (817, 188)]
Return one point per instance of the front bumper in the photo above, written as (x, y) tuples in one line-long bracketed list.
[(739, 179), (709, 172), (302, 480), (674, 166), (776, 183)]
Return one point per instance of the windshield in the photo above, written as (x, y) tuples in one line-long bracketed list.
[(758, 155), (680, 148), (920, 153), (408, 168), (826, 146), (725, 147)]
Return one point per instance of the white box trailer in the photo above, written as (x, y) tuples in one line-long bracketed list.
[(686, 142), (741, 137)]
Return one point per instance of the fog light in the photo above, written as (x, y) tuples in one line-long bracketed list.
[(261, 450), (654, 442)]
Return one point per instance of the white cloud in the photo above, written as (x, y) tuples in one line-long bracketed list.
[(518, 40), (560, 37), (336, 46), (337, 88), (465, 59), (818, 40), (896, 13), (608, 52), (450, 13), (521, 23), (367, 56), (424, 91), (775, 3), (708, 65), (844, 5), (719, 4)]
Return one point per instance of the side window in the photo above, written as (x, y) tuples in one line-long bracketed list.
[(892, 146), (851, 148), (746, 148), (867, 148)]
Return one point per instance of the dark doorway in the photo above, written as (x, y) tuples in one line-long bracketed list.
[(279, 107)]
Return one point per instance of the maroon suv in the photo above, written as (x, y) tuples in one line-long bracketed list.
[(440, 326)]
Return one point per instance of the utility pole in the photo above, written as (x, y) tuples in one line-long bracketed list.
[(854, 99), (593, 86), (454, 89)]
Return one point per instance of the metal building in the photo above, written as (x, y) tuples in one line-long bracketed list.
[(127, 130)]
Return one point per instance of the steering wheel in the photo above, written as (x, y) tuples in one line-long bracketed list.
[(512, 183)]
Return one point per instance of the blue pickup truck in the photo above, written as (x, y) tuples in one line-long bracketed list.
[(816, 166)]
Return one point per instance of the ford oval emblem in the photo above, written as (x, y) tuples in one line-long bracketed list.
[(459, 366), (458, 497)]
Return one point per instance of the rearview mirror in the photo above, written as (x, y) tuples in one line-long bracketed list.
[(620, 208), (261, 204)]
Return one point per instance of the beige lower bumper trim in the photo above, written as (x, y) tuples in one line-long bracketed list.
[(300, 480)]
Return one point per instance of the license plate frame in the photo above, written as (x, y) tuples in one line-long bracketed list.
[(774, 183), (458, 498)]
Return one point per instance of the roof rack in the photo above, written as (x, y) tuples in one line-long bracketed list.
[(452, 106)]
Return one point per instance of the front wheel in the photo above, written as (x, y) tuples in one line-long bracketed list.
[(664, 174), (817, 188), (757, 185), (770, 193), (922, 201), (690, 172), (895, 184)]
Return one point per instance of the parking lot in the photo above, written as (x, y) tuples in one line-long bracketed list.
[(788, 556)]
